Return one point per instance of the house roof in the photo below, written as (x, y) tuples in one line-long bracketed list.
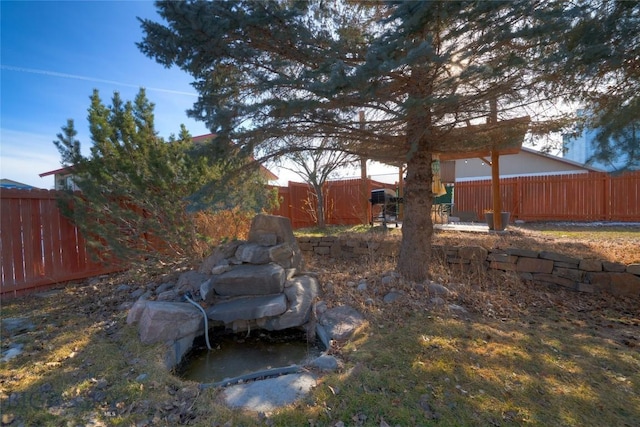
[(203, 138), (528, 162), (270, 176), (62, 171), (562, 160), (9, 183)]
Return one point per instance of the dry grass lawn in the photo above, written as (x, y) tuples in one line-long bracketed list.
[(520, 355)]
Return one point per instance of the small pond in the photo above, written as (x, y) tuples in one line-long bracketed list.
[(233, 355)]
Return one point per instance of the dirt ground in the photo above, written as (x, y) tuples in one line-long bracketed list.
[(617, 318)]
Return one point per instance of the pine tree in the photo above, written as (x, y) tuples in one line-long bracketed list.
[(136, 189), (420, 71), (68, 145), (603, 61)]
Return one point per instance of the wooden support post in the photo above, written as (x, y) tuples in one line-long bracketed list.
[(364, 182), (495, 190), (401, 192), (495, 172), (364, 191)]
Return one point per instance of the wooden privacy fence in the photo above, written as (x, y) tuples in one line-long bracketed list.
[(576, 197), (38, 245), (343, 202)]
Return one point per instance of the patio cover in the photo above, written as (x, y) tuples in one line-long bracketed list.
[(483, 140), (503, 137)]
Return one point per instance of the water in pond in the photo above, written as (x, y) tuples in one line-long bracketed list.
[(236, 354)]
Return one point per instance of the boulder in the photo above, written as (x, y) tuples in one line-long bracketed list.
[(164, 287), (282, 254), (625, 284), (528, 253), (634, 269), (326, 363), (190, 281), (437, 289), (135, 312), (248, 308), (560, 258), (614, 267), (591, 265), (473, 253), (222, 267), (221, 253), (391, 297), (269, 394), (341, 322), (177, 349), (169, 321), (265, 227), (253, 253), (247, 279), (207, 293), (300, 293), (534, 265)]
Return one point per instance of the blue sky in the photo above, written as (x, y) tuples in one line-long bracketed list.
[(53, 54)]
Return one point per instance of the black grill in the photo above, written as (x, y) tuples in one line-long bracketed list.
[(383, 196), (384, 205)]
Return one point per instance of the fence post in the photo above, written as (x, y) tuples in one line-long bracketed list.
[(606, 195), (517, 197)]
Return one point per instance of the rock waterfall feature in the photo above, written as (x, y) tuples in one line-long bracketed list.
[(243, 286)]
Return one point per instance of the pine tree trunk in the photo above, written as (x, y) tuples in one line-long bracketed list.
[(417, 226)]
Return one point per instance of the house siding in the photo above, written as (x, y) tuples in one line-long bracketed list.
[(526, 163)]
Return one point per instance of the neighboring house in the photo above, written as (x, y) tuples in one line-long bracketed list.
[(9, 183), (582, 149), (266, 173), (528, 162), (63, 178)]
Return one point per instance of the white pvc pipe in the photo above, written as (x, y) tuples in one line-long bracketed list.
[(206, 322)]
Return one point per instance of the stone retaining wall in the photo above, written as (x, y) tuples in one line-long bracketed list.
[(347, 247), (545, 268)]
